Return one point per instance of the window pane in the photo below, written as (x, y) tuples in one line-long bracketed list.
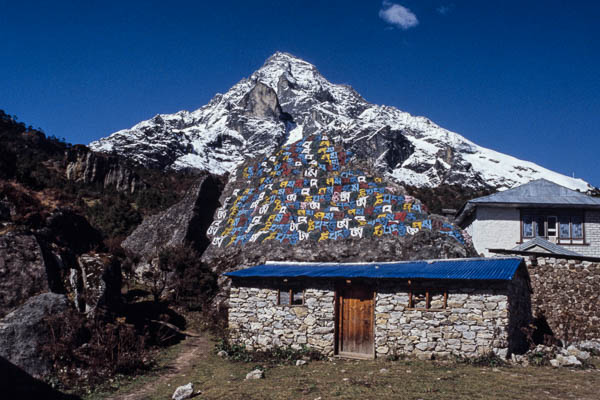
[(577, 227), (552, 226), (527, 226), (284, 297), (297, 297), (539, 226), (419, 300), (564, 228)]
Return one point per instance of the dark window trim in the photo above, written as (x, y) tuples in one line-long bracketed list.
[(428, 292), (554, 212), (290, 292)]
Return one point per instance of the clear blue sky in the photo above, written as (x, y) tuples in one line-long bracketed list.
[(521, 77)]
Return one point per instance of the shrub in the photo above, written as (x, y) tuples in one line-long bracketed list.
[(193, 283), (273, 356), (89, 351)]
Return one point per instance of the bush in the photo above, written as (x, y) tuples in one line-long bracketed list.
[(89, 351), (273, 356), (193, 284)]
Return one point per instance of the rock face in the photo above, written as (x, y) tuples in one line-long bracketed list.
[(287, 99), (315, 201), (23, 332), (22, 270), (184, 222), (83, 165)]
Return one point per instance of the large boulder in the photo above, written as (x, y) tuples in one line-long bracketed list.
[(23, 332), (22, 270), (315, 200), (183, 223)]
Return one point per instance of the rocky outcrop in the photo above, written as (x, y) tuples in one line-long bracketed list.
[(23, 332), (183, 223), (83, 165), (316, 201), (22, 270)]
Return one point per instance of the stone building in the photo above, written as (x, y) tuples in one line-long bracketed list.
[(539, 216), (464, 307)]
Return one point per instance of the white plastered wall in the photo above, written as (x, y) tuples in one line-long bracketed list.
[(495, 228)]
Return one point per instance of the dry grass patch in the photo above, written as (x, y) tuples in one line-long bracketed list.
[(219, 378)]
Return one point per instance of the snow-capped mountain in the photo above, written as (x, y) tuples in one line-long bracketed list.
[(287, 99)]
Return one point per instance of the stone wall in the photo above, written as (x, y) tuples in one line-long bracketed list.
[(479, 318), (256, 321), (567, 293)]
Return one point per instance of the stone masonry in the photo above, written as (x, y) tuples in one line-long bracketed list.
[(256, 321), (567, 293), (479, 318)]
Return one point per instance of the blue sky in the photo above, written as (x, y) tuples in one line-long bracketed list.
[(520, 77)]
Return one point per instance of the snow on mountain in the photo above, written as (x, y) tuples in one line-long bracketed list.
[(287, 99)]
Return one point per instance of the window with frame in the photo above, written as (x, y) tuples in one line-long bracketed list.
[(552, 224), (290, 297), (426, 299)]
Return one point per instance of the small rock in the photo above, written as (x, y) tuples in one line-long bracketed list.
[(555, 363), (580, 354), (383, 371), (255, 374), (183, 392), (567, 361), (222, 354), (300, 362)]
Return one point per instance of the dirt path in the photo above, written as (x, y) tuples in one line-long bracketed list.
[(192, 349)]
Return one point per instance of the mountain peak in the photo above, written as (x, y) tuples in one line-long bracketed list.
[(288, 99)]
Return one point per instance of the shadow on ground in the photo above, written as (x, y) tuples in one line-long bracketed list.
[(18, 384)]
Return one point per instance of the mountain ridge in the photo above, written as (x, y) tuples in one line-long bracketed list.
[(287, 99)]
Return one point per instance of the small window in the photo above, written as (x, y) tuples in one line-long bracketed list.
[(527, 226), (290, 297), (565, 228), (427, 299), (576, 227)]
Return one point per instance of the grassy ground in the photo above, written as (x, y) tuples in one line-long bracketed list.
[(217, 378)]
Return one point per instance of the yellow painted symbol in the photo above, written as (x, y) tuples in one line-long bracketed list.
[(378, 230), (324, 236)]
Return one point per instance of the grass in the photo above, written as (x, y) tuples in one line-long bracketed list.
[(219, 378)]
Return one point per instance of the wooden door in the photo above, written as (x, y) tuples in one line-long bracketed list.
[(355, 321)]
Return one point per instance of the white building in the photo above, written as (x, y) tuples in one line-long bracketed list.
[(539, 216)]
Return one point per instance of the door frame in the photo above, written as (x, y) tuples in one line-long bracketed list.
[(339, 288)]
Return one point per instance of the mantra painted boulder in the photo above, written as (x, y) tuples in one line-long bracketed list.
[(314, 200)]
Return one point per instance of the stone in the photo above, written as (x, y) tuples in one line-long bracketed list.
[(24, 331), (300, 363), (567, 361), (222, 354), (255, 374), (22, 270), (183, 392), (580, 354)]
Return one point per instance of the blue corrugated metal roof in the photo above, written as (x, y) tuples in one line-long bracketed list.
[(474, 268)]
